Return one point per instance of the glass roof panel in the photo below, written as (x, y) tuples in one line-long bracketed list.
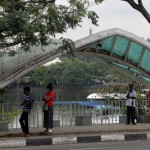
[(132, 71), (107, 44), (145, 63), (135, 52), (126, 67), (145, 78), (120, 46), (93, 46)]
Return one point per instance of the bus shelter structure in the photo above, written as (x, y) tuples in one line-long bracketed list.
[(124, 51)]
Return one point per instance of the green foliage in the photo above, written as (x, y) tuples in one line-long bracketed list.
[(64, 72), (26, 23), (123, 110), (74, 74), (68, 46), (95, 68), (9, 116), (40, 75), (141, 109)]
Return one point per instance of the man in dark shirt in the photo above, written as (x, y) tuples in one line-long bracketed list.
[(26, 107)]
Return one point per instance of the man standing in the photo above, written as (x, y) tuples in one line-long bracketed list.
[(26, 107), (130, 103), (148, 95)]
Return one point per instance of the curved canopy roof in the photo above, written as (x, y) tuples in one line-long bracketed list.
[(122, 50)]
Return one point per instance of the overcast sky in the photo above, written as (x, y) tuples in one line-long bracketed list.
[(113, 13)]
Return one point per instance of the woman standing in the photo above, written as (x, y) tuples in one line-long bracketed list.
[(48, 112)]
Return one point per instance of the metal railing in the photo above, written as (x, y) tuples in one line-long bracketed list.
[(101, 112)]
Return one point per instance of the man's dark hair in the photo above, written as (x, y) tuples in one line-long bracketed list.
[(50, 86), (131, 85), (27, 88)]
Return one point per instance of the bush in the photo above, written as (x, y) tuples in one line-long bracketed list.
[(8, 116)]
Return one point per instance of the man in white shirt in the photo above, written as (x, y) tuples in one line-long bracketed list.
[(130, 103)]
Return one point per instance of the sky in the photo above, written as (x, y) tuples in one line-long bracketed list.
[(113, 13)]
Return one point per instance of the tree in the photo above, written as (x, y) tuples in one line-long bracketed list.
[(55, 71), (25, 23), (138, 5), (40, 75), (74, 74), (68, 69), (96, 68)]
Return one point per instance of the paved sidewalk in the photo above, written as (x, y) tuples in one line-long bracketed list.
[(76, 134)]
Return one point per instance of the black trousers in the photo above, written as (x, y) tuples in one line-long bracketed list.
[(48, 118), (24, 122), (130, 114)]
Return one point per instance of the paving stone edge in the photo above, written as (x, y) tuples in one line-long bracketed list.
[(70, 139)]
